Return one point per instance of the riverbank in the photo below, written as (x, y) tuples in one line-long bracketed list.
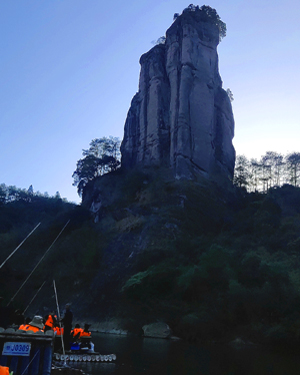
[(243, 335)]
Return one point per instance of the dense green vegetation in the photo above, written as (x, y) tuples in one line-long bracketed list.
[(20, 212), (103, 156), (226, 269), (213, 264), (205, 14)]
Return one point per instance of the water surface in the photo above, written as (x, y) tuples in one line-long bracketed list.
[(136, 355)]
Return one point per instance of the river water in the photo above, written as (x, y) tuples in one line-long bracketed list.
[(146, 356)]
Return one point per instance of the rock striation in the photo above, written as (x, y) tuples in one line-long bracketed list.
[(181, 117)]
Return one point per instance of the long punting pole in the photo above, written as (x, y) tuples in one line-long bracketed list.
[(18, 246), (38, 263), (58, 313)]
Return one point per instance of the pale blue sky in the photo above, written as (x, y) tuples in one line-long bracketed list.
[(69, 69)]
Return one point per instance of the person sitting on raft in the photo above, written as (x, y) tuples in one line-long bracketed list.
[(85, 332), (37, 324), (58, 330), (76, 332), (85, 338), (50, 322), (27, 321)]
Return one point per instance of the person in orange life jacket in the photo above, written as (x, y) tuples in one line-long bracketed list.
[(35, 325), (27, 321), (85, 332), (59, 330), (85, 337), (4, 370), (50, 322), (76, 332)]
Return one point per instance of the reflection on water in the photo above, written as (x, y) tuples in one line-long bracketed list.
[(147, 356), (95, 367)]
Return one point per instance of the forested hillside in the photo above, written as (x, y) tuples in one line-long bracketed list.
[(212, 264), (21, 211)]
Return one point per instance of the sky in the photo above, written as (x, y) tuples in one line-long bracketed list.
[(69, 69)]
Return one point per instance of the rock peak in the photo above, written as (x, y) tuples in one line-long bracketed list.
[(181, 117)]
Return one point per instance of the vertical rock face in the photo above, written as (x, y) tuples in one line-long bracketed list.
[(181, 117)]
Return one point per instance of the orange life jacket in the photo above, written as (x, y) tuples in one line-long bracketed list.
[(83, 333), (49, 322), (59, 331), (76, 331), (22, 326), (4, 370), (28, 327)]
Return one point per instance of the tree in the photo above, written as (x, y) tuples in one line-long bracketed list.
[(255, 169), (104, 146), (30, 190), (57, 195), (230, 95), (207, 14), (274, 161), (3, 193), (266, 168), (241, 171), (293, 167), (272, 170), (102, 157), (161, 40), (213, 17), (13, 193)]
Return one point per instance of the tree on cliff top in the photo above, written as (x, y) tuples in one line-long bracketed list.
[(102, 157), (207, 14)]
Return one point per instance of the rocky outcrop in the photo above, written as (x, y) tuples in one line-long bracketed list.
[(181, 117), (157, 330)]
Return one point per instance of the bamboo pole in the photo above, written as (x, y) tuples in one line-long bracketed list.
[(59, 320), (34, 297), (38, 263), (18, 246)]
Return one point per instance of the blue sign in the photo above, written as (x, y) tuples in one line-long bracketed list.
[(17, 348)]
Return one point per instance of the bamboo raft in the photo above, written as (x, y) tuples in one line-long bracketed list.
[(81, 354), (87, 357)]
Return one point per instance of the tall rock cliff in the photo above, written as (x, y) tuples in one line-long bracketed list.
[(181, 117)]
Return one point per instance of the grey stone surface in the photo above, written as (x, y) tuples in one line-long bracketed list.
[(157, 330), (181, 117)]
